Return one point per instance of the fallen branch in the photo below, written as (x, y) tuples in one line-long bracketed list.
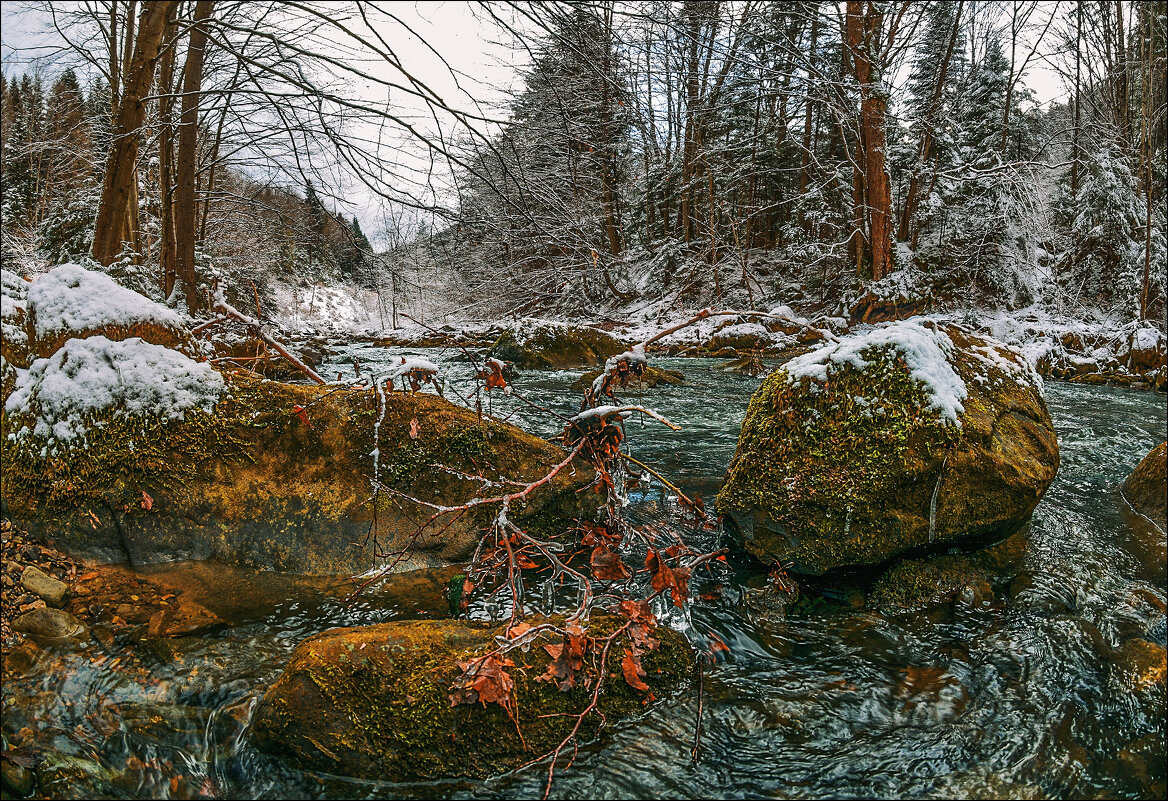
[(257, 329)]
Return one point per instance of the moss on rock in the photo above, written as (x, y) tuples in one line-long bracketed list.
[(374, 702), (845, 473), (652, 377), (255, 484), (1146, 489), (555, 347)]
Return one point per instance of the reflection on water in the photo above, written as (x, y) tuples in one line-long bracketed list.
[(1028, 696)]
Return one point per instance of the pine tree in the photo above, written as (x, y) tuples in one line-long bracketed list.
[(1108, 231)]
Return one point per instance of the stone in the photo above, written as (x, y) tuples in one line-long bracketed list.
[(70, 777), (1141, 666), (536, 345), (17, 779), (1146, 489), (652, 377), (861, 467), (258, 483), (52, 623), (374, 701), (915, 584), (41, 584)]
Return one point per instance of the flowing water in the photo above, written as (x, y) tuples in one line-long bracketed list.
[(1026, 695)]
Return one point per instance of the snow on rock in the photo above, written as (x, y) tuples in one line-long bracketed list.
[(13, 307), (1147, 339), (927, 352), (88, 377), (70, 300), (408, 365)]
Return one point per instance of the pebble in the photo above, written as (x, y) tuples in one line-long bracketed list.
[(39, 583)]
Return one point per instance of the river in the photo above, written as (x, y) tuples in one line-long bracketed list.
[(1024, 696)]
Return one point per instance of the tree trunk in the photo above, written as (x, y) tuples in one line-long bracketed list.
[(120, 181), (185, 208), (167, 250), (864, 23)]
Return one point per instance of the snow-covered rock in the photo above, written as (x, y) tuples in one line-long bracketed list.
[(60, 397), (71, 302), (895, 438)]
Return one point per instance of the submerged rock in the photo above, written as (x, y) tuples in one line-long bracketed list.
[(278, 476), (1146, 488), (911, 436), (652, 377), (51, 623), (538, 345), (63, 776), (374, 702), (919, 583)]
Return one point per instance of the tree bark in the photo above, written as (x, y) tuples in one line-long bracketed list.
[(120, 181), (864, 24), (167, 250), (185, 208)]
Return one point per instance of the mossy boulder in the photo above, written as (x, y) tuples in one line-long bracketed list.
[(541, 345), (862, 457), (278, 476), (1146, 489), (374, 701), (652, 377)]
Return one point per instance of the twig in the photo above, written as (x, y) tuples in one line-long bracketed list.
[(257, 328)]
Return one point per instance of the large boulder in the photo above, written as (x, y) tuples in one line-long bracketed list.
[(910, 437), (543, 345), (120, 446), (1147, 350), (274, 476), (1146, 488), (374, 702)]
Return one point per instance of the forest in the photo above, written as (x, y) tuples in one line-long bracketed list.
[(682, 154), (614, 398)]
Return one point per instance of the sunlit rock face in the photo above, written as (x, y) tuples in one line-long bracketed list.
[(908, 437), (1145, 488)]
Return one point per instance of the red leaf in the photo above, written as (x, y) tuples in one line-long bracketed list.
[(607, 564), (485, 681), (675, 579), (147, 501), (298, 410), (634, 673), (414, 427)]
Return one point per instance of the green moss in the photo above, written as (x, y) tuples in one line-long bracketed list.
[(556, 347), (253, 483), (918, 583), (823, 467), (386, 712)]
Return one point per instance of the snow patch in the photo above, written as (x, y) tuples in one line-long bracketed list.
[(72, 298), (87, 377), (926, 351)]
